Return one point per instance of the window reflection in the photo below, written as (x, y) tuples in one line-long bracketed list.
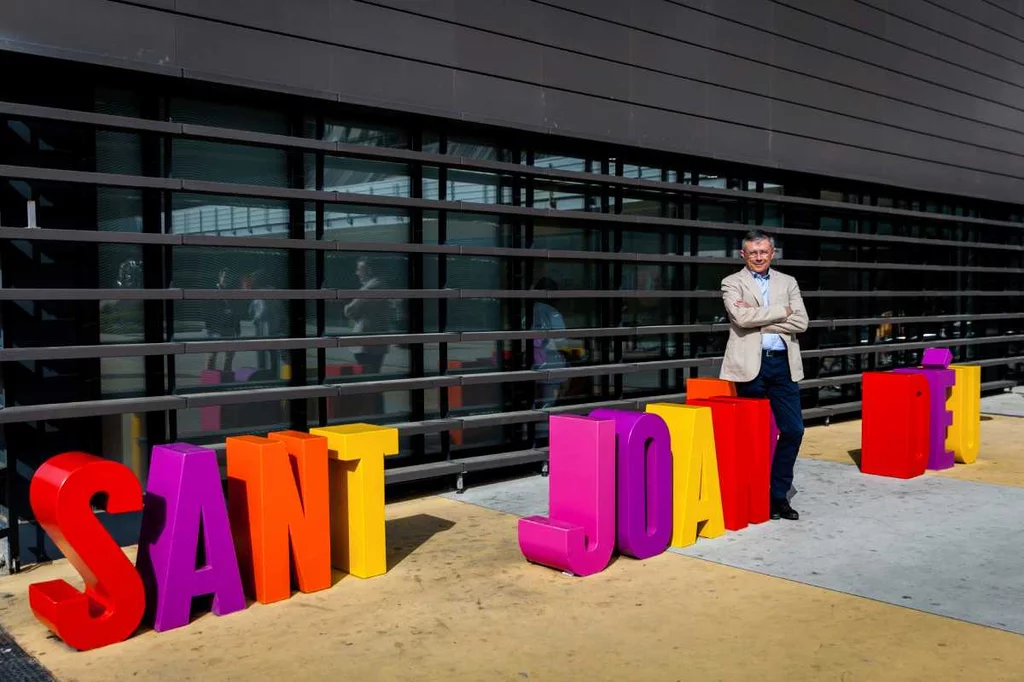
[(358, 176), (347, 223)]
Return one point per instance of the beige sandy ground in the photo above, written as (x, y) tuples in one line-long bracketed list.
[(460, 603), (1001, 461)]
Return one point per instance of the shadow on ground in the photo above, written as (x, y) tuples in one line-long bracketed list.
[(407, 534)]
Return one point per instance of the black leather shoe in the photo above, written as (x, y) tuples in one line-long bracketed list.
[(780, 509)]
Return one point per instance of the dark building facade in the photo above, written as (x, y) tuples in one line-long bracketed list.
[(461, 216)]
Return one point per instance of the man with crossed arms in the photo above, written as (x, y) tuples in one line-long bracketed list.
[(762, 357)]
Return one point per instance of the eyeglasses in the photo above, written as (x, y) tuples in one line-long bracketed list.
[(752, 254)]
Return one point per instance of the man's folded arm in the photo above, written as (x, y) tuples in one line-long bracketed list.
[(749, 318), (796, 323)]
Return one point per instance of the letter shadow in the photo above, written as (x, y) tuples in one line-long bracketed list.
[(409, 533), (855, 456)]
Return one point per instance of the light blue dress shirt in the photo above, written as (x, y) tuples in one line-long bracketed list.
[(768, 341)]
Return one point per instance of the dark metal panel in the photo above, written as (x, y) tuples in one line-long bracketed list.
[(363, 78), (734, 106), (739, 143), (1006, 16), (611, 9), (420, 472), (736, 72), (157, 4), (674, 94), (485, 99), (503, 459), (252, 56), (794, 119), (579, 32), (243, 397), (528, 21), (258, 345), (91, 408), (789, 151), (659, 53), (669, 131), (362, 387), (932, 30), (370, 27), (673, 56), (679, 22), (91, 27), (760, 14), (805, 59), (786, 85), (88, 236), (566, 113), (79, 352), (978, 23), (496, 54), (426, 426), (805, 24), (570, 71), (298, 17), (397, 339), (503, 418)]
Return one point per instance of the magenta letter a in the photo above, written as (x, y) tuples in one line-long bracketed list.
[(184, 486), (578, 536)]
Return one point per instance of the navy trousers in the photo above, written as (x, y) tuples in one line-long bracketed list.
[(775, 383)]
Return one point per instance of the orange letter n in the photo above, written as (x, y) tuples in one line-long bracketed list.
[(278, 492)]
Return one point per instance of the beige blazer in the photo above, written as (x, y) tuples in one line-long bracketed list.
[(742, 360)]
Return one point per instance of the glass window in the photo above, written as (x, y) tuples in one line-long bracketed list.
[(358, 176)]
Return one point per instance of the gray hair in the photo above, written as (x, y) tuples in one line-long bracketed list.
[(756, 236)]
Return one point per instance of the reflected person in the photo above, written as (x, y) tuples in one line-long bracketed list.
[(369, 316), (546, 352), (223, 321)]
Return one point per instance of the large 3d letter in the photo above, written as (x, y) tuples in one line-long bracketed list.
[(184, 494), (742, 427), (699, 388), (940, 382), (964, 437), (357, 453), (578, 535), (114, 600), (756, 426), (277, 491), (697, 500), (894, 426), (643, 509)]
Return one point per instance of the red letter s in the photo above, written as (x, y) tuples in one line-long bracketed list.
[(113, 603)]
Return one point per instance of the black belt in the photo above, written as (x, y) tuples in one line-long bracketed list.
[(772, 353)]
